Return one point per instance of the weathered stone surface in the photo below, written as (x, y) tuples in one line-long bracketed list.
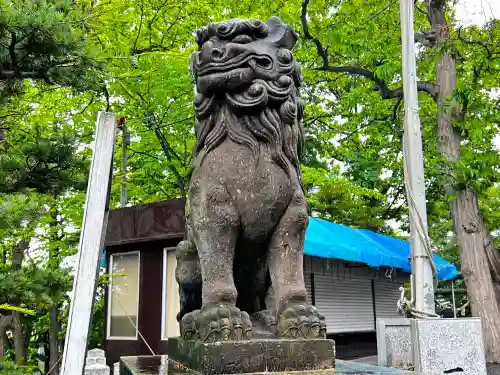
[(230, 357), (96, 353), (246, 213), (155, 365), (97, 370), (394, 343), (448, 346), (95, 361)]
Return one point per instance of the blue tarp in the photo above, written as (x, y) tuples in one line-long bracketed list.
[(103, 260), (329, 240)]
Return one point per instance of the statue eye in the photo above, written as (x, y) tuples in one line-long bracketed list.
[(242, 39)]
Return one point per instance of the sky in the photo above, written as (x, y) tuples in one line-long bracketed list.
[(477, 11)]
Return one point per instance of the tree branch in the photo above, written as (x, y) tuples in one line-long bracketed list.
[(12, 49), (476, 42), (420, 9), (396, 107), (322, 52), (381, 85), (385, 91), (11, 74), (134, 47), (372, 122), (421, 38)]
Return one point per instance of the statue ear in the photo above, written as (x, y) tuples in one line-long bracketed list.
[(280, 34)]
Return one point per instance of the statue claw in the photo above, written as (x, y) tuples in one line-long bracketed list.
[(299, 321), (223, 323)]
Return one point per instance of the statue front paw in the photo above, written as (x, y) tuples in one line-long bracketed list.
[(188, 325), (223, 323), (301, 322)]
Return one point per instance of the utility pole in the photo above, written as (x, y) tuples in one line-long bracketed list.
[(414, 170)]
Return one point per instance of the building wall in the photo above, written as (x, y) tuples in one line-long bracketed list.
[(150, 302), (340, 288), (351, 296), (159, 300)]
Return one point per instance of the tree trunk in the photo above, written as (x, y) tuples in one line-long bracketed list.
[(20, 347), (54, 263), (473, 237), (5, 322), (54, 340)]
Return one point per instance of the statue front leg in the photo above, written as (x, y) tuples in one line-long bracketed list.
[(216, 224), (295, 318)]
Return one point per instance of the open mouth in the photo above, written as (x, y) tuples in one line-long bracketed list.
[(253, 60)]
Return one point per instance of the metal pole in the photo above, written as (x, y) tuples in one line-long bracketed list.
[(95, 217), (125, 143), (414, 165), (453, 298)]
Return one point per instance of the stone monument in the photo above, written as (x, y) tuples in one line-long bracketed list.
[(246, 213)]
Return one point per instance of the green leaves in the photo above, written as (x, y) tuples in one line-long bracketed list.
[(44, 40)]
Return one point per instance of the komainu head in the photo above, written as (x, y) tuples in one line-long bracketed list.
[(247, 87), (235, 53)]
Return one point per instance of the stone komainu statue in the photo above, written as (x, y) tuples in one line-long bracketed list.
[(246, 213)]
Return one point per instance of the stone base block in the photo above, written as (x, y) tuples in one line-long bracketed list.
[(95, 361), (97, 370), (258, 355), (450, 346), (161, 365), (394, 343)]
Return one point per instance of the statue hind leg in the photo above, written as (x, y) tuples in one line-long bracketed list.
[(295, 319), (215, 228), (188, 276)]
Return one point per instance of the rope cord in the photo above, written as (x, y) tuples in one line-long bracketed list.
[(407, 310)]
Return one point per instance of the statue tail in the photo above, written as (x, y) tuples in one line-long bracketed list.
[(188, 276)]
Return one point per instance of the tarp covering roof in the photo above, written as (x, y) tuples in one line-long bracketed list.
[(325, 239)]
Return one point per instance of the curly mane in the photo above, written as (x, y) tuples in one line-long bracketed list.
[(262, 111)]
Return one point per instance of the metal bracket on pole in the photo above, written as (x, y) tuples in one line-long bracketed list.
[(95, 217)]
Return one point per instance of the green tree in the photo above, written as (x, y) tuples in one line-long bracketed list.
[(359, 53), (44, 40), (42, 163)]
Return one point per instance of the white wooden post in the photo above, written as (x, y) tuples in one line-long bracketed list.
[(95, 217)]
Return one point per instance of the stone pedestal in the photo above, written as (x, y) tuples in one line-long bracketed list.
[(257, 355), (161, 365), (394, 343), (95, 364), (448, 346)]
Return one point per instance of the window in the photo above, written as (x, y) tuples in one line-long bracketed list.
[(123, 296), (170, 300)]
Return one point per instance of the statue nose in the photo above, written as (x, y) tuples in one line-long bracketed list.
[(210, 52), (217, 53)]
